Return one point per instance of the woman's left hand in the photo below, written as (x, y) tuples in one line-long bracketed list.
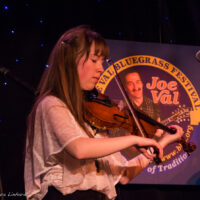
[(170, 138)]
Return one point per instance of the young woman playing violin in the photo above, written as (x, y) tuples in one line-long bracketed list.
[(64, 158)]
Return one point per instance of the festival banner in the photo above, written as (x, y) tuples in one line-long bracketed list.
[(169, 86)]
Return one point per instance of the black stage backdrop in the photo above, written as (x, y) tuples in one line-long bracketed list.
[(28, 31)]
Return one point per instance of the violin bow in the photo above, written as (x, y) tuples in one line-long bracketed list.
[(109, 61)]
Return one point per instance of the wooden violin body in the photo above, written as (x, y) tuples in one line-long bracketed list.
[(103, 113)]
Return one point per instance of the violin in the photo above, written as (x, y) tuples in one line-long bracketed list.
[(102, 113)]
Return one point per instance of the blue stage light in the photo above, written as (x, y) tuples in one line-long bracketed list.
[(120, 34), (5, 7)]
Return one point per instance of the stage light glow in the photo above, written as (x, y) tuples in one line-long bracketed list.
[(5, 7), (120, 34)]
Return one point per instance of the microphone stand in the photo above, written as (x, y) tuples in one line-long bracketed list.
[(7, 73)]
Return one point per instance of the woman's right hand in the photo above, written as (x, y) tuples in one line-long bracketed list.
[(144, 144)]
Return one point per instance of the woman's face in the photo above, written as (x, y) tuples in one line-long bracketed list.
[(89, 71)]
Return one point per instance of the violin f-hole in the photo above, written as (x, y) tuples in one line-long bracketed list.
[(120, 116)]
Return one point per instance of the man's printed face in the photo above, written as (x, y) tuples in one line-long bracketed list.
[(134, 85)]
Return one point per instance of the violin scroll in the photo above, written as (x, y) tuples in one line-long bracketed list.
[(187, 147)]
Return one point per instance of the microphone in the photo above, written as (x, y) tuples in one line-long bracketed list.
[(7, 73), (198, 56)]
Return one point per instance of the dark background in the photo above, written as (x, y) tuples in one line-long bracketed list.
[(28, 32)]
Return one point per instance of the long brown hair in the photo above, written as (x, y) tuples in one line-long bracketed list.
[(61, 78)]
